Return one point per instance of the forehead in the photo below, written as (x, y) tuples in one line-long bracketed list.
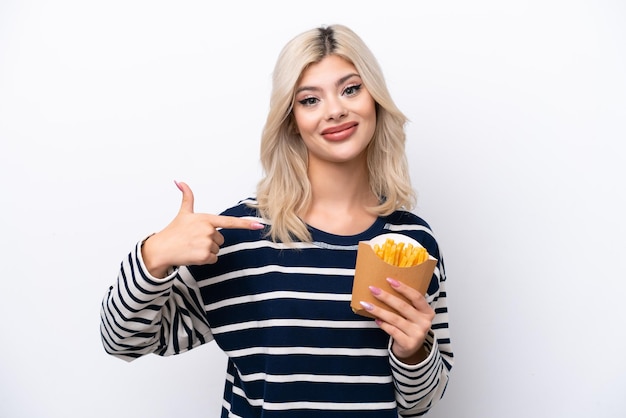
[(330, 69)]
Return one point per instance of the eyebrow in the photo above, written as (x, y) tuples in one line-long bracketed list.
[(339, 82)]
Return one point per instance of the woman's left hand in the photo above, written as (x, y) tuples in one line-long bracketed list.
[(409, 328)]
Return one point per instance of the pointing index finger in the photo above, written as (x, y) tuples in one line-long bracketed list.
[(233, 222)]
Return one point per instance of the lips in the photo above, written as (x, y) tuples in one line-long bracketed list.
[(339, 132), (338, 128)]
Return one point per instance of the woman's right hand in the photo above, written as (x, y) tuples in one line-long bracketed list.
[(190, 239)]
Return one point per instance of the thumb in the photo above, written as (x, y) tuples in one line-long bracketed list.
[(187, 203)]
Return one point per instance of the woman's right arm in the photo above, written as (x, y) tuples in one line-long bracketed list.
[(155, 306), (142, 314)]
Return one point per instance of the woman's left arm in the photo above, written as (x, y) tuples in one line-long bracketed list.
[(420, 353)]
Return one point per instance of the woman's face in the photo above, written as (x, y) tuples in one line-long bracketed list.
[(335, 114)]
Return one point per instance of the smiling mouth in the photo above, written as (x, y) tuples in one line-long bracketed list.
[(340, 132), (339, 128)]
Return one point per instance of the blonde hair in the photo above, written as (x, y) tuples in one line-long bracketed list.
[(285, 191)]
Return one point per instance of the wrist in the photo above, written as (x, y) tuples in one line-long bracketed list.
[(155, 266), (416, 358)]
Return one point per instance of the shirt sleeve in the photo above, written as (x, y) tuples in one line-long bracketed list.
[(141, 314), (419, 387)]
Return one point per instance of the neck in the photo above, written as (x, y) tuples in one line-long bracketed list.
[(341, 195), (340, 184)]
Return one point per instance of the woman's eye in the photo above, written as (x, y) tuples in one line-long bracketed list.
[(352, 90), (308, 101)]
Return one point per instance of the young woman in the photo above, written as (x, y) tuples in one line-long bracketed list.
[(270, 278)]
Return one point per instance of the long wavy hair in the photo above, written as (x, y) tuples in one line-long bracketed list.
[(284, 191)]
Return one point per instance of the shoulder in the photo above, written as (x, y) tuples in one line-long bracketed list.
[(403, 217), (413, 225), (244, 208)]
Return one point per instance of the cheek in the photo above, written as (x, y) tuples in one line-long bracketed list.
[(368, 112), (370, 109), (304, 123)]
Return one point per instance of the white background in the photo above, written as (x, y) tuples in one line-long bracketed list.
[(517, 116)]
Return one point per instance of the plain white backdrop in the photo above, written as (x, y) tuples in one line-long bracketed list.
[(516, 138)]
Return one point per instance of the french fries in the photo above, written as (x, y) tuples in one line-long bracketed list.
[(399, 254)]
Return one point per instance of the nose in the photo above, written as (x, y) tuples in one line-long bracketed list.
[(335, 109)]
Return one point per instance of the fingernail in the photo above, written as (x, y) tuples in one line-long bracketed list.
[(367, 306), (257, 225), (375, 290), (392, 282)]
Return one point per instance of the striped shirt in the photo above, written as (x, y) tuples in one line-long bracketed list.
[(282, 315)]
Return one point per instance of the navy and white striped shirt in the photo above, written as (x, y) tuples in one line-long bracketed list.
[(282, 315)]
